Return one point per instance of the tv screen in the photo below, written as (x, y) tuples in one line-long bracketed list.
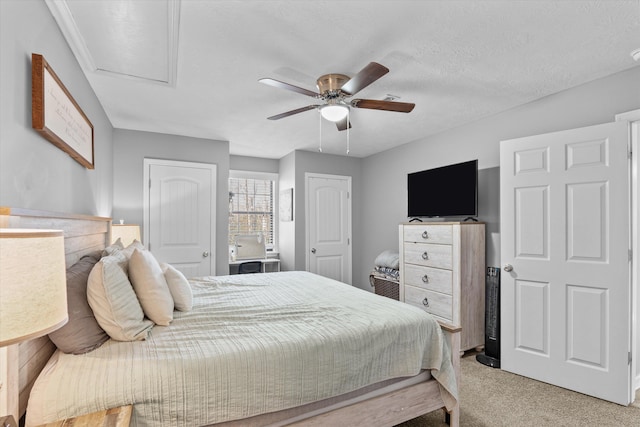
[(445, 191)]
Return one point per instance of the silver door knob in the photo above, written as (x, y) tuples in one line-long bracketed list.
[(205, 254), (508, 268), (313, 250), (425, 235), (425, 302), (425, 255)]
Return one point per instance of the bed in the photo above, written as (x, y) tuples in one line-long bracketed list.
[(256, 385)]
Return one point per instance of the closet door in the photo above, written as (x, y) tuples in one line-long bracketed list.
[(565, 240), (180, 215), (328, 226)]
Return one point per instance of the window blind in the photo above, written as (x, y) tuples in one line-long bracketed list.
[(251, 208)]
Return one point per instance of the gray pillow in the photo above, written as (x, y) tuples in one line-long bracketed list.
[(113, 301), (81, 333), (113, 248)]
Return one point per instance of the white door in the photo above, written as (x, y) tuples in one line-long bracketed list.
[(565, 239), (329, 226), (180, 219)]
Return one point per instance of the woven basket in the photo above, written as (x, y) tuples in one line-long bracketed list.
[(385, 286)]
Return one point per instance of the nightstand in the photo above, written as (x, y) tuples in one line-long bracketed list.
[(114, 417)]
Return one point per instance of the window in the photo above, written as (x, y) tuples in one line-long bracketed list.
[(252, 205)]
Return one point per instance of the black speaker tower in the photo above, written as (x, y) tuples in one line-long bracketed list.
[(491, 355)]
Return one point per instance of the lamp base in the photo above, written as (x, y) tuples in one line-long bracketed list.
[(8, 421)]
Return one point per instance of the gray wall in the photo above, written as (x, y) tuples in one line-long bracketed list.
[(287, 230), (130, 150), (254, 164), (385, 173), (293, 234), (34, 173)]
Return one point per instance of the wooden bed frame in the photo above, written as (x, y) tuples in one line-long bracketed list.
[(84, 234)]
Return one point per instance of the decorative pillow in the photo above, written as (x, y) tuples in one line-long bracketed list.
[(179, 287), (81, 333), (128, 251), (113, 248), (114, 301), (117, 248), (151, 287)]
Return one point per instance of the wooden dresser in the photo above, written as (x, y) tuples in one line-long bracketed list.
[(442, 270)]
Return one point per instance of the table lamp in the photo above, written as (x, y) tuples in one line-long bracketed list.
[(127, 233), (33, 293)]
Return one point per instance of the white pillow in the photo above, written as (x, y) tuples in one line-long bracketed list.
[(179, 287), (114, 302), (151, 287)]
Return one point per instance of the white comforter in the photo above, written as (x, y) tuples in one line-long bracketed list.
[(252, 344)]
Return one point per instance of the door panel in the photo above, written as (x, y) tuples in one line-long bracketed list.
[(329, 226), (586, 210), (181, 215), (532, 322), (532, 234), (330, 266), (587, 325), (565, 232)]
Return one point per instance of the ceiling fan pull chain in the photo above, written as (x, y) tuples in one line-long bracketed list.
[(348, 123), (320, 118)]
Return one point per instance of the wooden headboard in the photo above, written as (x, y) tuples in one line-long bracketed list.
[(82, 235)]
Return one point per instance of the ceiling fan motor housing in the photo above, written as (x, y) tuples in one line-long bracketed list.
[(329, 84)]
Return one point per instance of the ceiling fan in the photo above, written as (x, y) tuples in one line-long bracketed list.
[(335, 89)]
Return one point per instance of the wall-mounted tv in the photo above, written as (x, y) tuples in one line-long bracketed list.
[(450, 190)]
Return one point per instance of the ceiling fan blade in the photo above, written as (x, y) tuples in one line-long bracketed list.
[(342, 124), (364, 78), (373, 104), (292, 112), (287, 86)]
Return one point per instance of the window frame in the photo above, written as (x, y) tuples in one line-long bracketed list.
[(270, 176)]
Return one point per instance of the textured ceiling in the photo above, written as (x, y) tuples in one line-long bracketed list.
[(458, 61)]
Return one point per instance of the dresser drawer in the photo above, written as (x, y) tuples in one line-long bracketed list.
[(439, 256), (434, 279), (429, 234), (438, 304)]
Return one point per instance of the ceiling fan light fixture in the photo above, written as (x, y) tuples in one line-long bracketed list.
[(334, 112)]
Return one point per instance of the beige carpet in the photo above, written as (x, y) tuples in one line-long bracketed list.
[(492, 397)]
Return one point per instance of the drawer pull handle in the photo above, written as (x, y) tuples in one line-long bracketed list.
[(425, 302), (425, 278), (425, 235), (425, 255)]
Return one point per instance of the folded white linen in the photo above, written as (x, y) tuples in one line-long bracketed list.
[(388, 259)]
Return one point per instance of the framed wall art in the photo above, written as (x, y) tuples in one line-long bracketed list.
[(286, 205), (57, 116)]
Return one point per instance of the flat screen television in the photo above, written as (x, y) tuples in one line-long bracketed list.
[(450, 190)]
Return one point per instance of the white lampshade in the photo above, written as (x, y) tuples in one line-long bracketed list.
[(33, 286), (127, 233), (334, 112)]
